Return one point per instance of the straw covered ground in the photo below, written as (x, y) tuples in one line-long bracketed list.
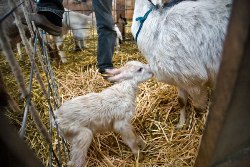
[(157, 112)]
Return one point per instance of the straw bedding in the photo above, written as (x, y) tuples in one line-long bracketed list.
[(156, 118)]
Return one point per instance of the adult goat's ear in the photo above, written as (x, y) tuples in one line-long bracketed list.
[(158, 3)]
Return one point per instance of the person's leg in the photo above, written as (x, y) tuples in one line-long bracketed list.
[(106, 34), (52, 10), (48, 17)]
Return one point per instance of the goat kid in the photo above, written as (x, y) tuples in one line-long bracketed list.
[(118, 37), (183, 45), (80, 118), (121, 23)]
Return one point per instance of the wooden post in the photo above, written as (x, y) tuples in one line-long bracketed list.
[(14, 151), (226, 138), (129, 7), (120, 12)]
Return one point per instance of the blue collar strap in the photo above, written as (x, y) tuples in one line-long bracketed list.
[(141, 20)]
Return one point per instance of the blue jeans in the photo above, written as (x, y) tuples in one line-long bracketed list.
[(106, 34)]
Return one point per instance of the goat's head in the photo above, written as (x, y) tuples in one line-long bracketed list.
[(132, 70), (123, 20)]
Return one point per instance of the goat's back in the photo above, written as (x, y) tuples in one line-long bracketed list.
[(96, 110), (79, 23), (183, 44), (75, 19)]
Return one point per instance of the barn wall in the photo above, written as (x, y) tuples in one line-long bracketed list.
[(126, 7), (129, 9)]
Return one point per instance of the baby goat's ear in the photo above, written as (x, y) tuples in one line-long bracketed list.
[(117, 78), (113, 71)]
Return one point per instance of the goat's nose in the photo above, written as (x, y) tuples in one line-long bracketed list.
[(150, 70), (151, 73)]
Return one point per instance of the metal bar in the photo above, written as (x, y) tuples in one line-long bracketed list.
[(52, 91), (28, 99)]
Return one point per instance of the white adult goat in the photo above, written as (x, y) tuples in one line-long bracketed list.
[(110, 110), (80, 24), (183, 45)]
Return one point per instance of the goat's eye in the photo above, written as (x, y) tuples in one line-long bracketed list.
[(140, 69)]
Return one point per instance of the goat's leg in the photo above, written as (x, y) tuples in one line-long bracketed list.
[(59, 45), (199, 97), (79, 147), (182, 99), (77, 46), (126, 131), (18, 45), (81, 44), (117, 45)]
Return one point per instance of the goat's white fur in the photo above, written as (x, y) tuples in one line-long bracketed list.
[(183, 45), (19, 50), (110, 110), (79, 24), (119, 37)]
